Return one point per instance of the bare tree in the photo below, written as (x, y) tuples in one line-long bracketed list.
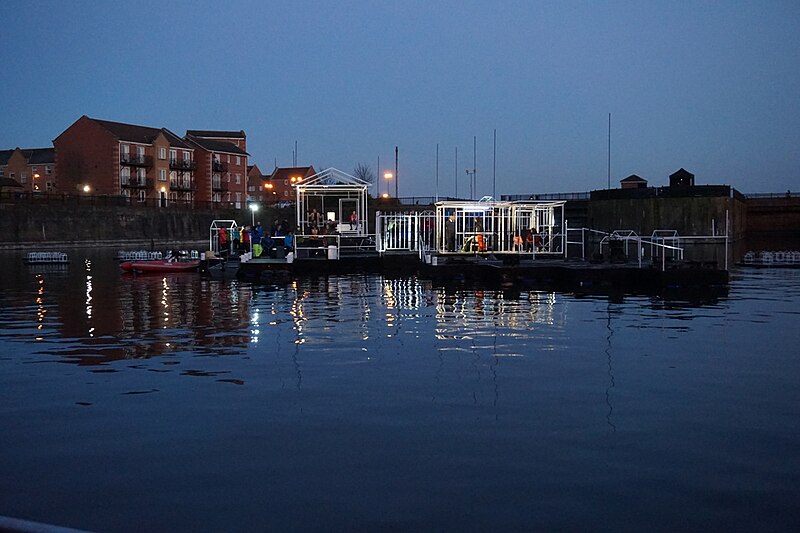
[(364, 173)]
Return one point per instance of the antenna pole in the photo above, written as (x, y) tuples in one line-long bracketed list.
[(609, 150), (494, 166), (437, 172)]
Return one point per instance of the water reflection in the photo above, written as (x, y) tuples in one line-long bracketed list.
[(122, 317)]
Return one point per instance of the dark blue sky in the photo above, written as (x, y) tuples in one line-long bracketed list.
[(710, 86)]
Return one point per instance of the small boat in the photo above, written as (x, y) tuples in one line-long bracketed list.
[(159, 265)]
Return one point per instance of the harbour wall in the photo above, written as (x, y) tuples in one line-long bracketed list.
[(773, 223), (51, 225)]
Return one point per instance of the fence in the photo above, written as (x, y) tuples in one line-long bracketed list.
[(30, 198)]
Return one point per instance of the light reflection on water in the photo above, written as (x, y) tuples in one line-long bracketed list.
[(372, 402)]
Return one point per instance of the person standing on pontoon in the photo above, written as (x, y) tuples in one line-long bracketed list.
[(314, 219)]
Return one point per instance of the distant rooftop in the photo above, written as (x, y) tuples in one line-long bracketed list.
[(139, 134), (217, 146), (217, 134)]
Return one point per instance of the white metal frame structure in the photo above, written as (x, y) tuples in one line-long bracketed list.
[(493, 227), (333, 191), (213, 237)]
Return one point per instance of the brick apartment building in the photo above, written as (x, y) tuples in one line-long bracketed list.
[(147, 165), (221, 158), (31, 168), (282, 179), (257, 190)]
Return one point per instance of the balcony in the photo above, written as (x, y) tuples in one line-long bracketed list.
[(136, 183), (181, 185), (182, 164), (219, 166), (136, 160), (219, 186)]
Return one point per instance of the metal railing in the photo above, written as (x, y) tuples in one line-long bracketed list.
[(44, 198), (182, 164), (136, 183), (136, 159)]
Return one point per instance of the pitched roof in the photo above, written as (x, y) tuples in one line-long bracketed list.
[(129, 132), (174, 140), (40, 156), (633, 177), (284, 173), (215, 134), (34, 156), (681, 172), (217, 146), (138, 134)]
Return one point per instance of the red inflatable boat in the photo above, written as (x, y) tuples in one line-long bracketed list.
[(159, 265)]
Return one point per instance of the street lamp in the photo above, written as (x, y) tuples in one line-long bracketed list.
[(388, 176), (86, 188), (253, 209)]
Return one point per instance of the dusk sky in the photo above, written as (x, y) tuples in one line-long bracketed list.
[(713, 87)]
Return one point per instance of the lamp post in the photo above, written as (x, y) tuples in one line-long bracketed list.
[(387, 176), (253, 209)]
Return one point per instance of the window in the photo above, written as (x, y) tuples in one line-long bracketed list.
[(13, 176), (173, 155), (48, 170), (187, 156), (33, 170), (140, 151), (173, 176), (126, 149), (162, 176), (286, 182), (2, 171), (125, 174), (141, 174), (229, 158), (238, 179), (238, 160), (162, 153), (23, 177)]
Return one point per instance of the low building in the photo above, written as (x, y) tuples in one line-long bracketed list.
[(257, 188), (32, 168), (681, 178), (633, 182), (282, 179)]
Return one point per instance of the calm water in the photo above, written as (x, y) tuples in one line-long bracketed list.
[(366, 403)]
